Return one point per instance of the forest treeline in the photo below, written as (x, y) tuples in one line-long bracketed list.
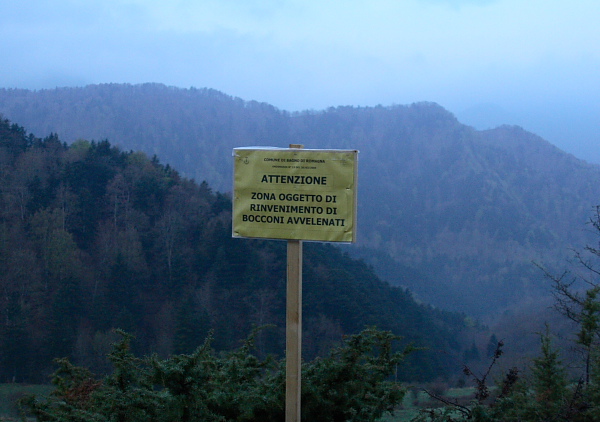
[(456, 208), (94, 238)]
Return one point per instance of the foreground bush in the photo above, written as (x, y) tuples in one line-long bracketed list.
[(544, 396), (351, 384)]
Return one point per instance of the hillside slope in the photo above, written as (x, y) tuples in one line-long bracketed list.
[(93, 238), (464, 212)]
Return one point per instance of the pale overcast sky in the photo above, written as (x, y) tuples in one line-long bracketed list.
[(535, 63)]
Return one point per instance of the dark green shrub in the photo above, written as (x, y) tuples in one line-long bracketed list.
[(351, 384)]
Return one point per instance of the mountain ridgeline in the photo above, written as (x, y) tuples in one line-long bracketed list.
[(93, 238), (455, 214)]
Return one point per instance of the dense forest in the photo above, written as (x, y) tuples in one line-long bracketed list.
[(94, 238), (444, 209)]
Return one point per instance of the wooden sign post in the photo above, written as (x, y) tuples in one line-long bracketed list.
[(293, 329), (294, 194), (293, 332)]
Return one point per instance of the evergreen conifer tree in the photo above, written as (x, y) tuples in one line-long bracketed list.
[(549, 383)]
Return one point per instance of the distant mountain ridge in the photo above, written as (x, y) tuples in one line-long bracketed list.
[(468, 210)]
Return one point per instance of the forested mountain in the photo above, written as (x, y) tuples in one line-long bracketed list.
[(455, 214), (94, 238)]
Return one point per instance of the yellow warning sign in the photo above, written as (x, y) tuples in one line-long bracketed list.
[(295, 194)]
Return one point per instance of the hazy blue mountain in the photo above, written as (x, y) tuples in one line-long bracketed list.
[(454, 213)]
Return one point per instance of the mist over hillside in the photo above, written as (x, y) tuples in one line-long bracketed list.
[(93, 238), (455, 214)]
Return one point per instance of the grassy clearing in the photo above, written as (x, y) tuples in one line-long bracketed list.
[(416, 400), (10, 393)]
